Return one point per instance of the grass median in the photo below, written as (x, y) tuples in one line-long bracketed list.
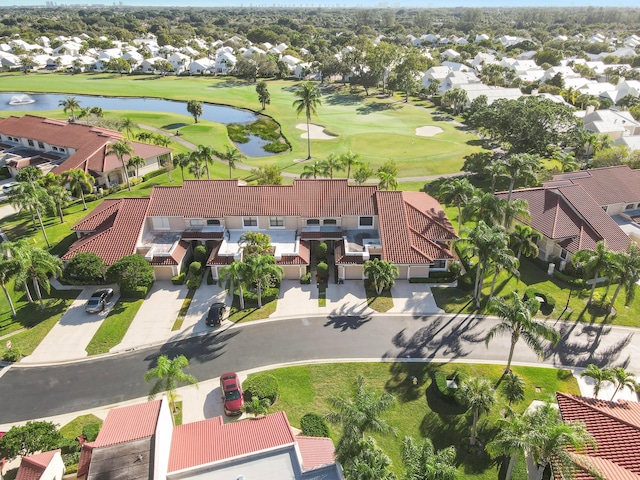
[(114, 326)]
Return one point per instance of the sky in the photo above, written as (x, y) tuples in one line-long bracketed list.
[(334, 3)]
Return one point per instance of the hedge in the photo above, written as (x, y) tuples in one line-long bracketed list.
[(262, 385), (138, 292), (194, 281), (90, 431), (155, 173), (178, 279), (313, 425), (305, 279)]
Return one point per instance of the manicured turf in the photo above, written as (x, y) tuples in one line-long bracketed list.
[(73, 429), (380, 303), (251, 311), (420, 411), (114, 326)]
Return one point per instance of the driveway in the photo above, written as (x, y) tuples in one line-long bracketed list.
[(194, 320), (69, 337), (413, 298)]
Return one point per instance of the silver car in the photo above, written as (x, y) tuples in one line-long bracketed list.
[(99, 300)]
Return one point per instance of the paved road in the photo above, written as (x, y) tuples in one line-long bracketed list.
[(36, 392)]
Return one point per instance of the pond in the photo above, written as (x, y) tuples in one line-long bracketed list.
[(215, 113)]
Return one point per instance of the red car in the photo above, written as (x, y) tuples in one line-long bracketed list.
[(232, 396)]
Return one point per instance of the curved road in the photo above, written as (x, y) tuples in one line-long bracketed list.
[(36, 392)]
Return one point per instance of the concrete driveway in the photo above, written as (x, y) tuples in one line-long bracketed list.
[(70, 336), (414, 298), (194, 321)]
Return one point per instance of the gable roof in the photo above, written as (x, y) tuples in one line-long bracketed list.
[(231, 440), (129, 423), (115, 226), (33, 466), (316, 452), (615, 426)]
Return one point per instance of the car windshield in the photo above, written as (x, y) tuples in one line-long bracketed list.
[(232, 395), (93, 301)]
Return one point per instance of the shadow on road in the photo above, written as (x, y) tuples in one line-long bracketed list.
[(200, 349), (345, 323)]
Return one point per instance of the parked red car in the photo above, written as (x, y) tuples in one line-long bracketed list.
[(232, 396)]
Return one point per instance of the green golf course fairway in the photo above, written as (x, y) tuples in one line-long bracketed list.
[(377, 129)]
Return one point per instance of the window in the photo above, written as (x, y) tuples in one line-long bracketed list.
[(630, 206), (313, 221), (41, 145), (30, 142), (365, 221), (439, 263), (563, 254), (196, 222), (213, 221), (250, 221), (605, 208), (330, 221), (276, 222), (160, 223), (55, 149)]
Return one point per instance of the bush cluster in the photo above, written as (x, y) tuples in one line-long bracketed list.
[(313, 425), (275, 147), (179, 279), (262, 385), (13, 354), (200, 254), (322, 271), (153, 174), (90, 431), (195, 268), (138, 292), (194, 281), (305, 279)]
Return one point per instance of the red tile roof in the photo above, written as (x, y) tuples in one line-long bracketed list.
[(342, 259), (315, 451), (125, 424), (33, 466), (225, 441), (103, 214), (176, 257), (301, 259), (116, 229), (85, 459), (616, 428)]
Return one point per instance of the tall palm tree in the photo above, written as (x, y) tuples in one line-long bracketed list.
[(231, 156), (120, 149), (503, 260), (18, 253), (78, 181), (521, 166), (523, 241), (128, 125), (626, 272), (512, 388), (622, 379), (232, 275), (381, 274), (136, 162), (197, 164), (512, 438), (60, 198), (207, 153), (567, 161), (168, 374), (333, 162), (518, 208), (485, 207), (181, 160), (479, 395), (261, 270), (38, 265), (359, 413), (31, 196), (369, 463), (594, 261), (350, 160), (314, 169), (598, 375), (517, 320), (8, 269), (70, 104), (457, 191), (495, 171), (388, 180), (421, 461), (308, 101)]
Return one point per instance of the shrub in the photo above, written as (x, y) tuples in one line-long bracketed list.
[(305, 279), (91, 197), (115, 188), (601, 301), (321, 251), (262, 385), (131, 272), (313, 425), (200, 253), (194, 281), (275, 147), (237, 133), (12, 354), (322, 270), (85, 268), (71, 462), (137, 292), (155, 173), (90, 431), (179, 279), (455, 269), (135, 181), (194, 268)]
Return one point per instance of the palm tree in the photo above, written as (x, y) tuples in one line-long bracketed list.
[(78, 181), (381, 274), (333, 162), (594, 261), (518, 208), (368, 463), (503, 259), (70, 104), (168, 374), (602, 142), (598, 375), (457, 191), (18, 253), (37, 265), (359, 413), (8, 269), (567, 161), (136, 162), (512, 388), (494, 171), (231, 275), (314, 169), (421, 461), (387, 179), (511, 439), (517, 320), (308, 100), (207, 153), (479, 395), (31, 196), (523, 240), (120, 149), (622, 379), (197, 164), (231, 156), (521, 166), (144, 136), (128, 125), (60, 198), (350, 160), (626, 272), (258, 406), (486, 207), (182, 160), (261, 270)]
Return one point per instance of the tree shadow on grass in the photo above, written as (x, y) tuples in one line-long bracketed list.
[(144, 78), (402, 383), (343, 99), (376, 107), (63, 245), (229, 84), (174, 126)]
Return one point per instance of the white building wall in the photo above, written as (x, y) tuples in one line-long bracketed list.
[(163, 434)]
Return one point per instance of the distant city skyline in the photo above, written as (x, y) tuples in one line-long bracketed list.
[(333, 4)]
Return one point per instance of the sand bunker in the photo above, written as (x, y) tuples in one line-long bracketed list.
[(428, 131), (316, 132)]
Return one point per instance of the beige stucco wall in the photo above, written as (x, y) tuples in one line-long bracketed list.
[(164, 273), (419, 271), (293, 272), (351, 272)]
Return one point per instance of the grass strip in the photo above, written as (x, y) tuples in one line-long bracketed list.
[(73, 429), (177, 325), (380, 303), (114, 326)]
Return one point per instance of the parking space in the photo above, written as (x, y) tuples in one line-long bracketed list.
[(413, 298), (194, 322)]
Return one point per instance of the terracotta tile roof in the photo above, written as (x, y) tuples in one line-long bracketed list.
[(225, 441), (33, 466), (342, 259), (117, 236), (568, 213), (176, 256), (616, 428), (85, 459), (306, 235), (125, 424), (220, 198), (102, 215), (301, 259), (315, 451)]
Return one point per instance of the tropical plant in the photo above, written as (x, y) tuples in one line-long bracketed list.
[(512, 387), (567, 161), (70, 104), (495, 171), (136, 162), (523, 240), (456, 191), (120, 149), (31, 196), (626, 272), (517, 320), (194, 107), (308, 101), (23, 440), (8, 269), (181, 160), (262, 271), (60, 198), (79, 182), (369, 462), (258, 406), (231, 155), (36, 265), (598, 375), (387, 174), (206, 153), (381, 273), (313, 169), (264, 97), (512, 438), (594, 261), (350, 160), (333, 162), (253, 243), (517, 208), (363, 173), (456, 98), (521, 166), (128, 125), (423, 462), (622, 379), (168, 374), (479, 395), (197, 165), (232, 276)]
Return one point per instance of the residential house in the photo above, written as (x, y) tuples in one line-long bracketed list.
[(148, 64), (140, 442), (225, 61), (493, 93), (615, 123), (202, 66), (481, 37), (179, 62), (41, 466), (58, 146), (450, 54), (357, 222)]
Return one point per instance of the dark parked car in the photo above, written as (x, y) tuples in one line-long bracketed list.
[(232, 396), (99, 300), (216, 312)]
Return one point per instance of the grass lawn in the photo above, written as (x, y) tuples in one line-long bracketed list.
[(380, 303), (378, 129), (73, 429), (36, 322), (420, 410), (177, 325), (114, 326), (251, 310)]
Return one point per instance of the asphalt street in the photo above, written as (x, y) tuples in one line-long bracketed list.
[(36, 392)]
